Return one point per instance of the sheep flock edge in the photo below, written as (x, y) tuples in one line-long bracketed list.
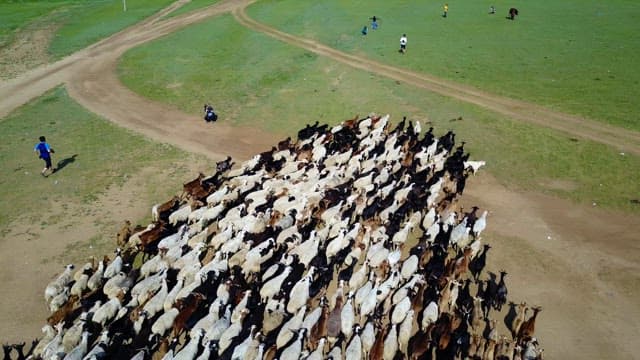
[(347, 243)]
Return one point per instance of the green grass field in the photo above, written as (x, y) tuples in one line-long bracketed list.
[(17, 14), (291, 87), (97, 156), (82, 23), (576, 56)]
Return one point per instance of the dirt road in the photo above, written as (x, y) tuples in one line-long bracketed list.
[(579, 263)]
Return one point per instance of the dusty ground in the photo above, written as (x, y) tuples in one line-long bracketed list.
[(578, 262)]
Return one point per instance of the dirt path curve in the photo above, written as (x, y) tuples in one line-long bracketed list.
[(91, 79)]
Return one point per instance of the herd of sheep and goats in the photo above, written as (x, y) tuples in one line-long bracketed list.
[(344, 244)]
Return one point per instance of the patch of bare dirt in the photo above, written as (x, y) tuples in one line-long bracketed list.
[(28, 50)]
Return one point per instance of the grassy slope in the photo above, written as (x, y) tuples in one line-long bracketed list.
[(578, 56), (106, 156), (290, 87), (87, 22), (83, 22), (16, 14)]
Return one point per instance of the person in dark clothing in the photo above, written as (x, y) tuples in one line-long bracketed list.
[(512, 13), (209, 114), (44, 151), (364, 30)]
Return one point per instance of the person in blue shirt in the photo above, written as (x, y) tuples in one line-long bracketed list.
[(374, 22), (44, 151)]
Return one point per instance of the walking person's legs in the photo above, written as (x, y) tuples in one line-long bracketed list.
[(47, 165)]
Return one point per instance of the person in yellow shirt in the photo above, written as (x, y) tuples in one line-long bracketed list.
[(446, 10)]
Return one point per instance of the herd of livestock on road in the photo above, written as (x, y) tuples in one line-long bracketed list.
[(305, 251)]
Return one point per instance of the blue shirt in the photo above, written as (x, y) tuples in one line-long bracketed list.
[(44, 149)]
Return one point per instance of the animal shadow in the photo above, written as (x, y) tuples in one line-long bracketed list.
[(64, 162), (511, 315)]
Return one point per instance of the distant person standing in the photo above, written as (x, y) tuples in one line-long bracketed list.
[(512, 13), (403, 43), (374, 23), (364, 30), (446, 10), (492, 10), (44, 151)]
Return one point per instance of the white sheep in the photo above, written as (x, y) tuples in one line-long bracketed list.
[(154, 265), (196, 215), (56, 286), (299, 294), (480, 224), (211, 214), (114, 266), (286, 332), (80, 285), (59, 300), (474, 166), (217, 195), (78, 352), (114, 284), (180, 215), (155, 304), (108, 310), (190, 350), (390, 344), (164, 322), (429, 315), (272, 287), (404, 333), (73, 335), (172, 295), (230, 334), (318, 153)]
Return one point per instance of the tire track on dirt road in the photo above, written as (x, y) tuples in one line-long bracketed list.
[(621, 139)]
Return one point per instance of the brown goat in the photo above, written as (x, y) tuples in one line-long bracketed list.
[(418, 344), (377, 350), (528, 327), (518, 320), (304, 154), (162, 211), (149, 237), (351, 123), (319, 330), (284, 144), (190, 186), (64, 312), (443, 331), (123, 235), (461, 264), (188, 309)]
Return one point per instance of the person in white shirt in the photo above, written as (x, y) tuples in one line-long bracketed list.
[(403, 43)]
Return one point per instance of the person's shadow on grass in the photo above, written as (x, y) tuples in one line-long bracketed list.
[(64, 162)]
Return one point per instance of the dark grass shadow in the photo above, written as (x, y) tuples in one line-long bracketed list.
[(64, 162)]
